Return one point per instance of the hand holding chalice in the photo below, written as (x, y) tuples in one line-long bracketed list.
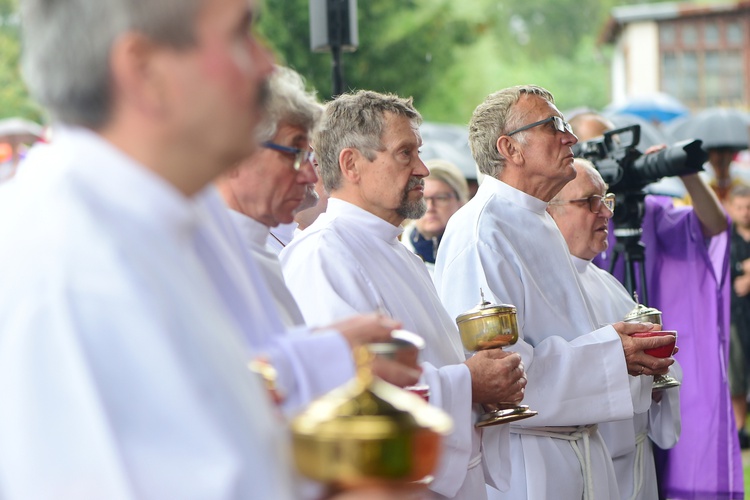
[(641, 313), (489, 326)]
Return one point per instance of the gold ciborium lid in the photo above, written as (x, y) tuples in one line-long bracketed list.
[(641, 313), (488, 326), (368, 431)]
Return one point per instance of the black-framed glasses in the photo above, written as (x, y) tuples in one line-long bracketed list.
[(560, 125), (595, 201), (301, 156), (441, 199)]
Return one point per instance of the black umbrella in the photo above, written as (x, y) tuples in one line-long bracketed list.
[(716, 127)]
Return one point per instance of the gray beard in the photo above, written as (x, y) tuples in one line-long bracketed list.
[(413, 209)]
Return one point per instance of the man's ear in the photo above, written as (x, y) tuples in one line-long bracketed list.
[(350, 160), (136, 72), (508, 149)]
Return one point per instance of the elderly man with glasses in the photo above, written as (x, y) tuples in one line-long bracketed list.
[(582, 210), (504, 242), (686, 254)]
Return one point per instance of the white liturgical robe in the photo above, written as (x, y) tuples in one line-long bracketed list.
[(255, 235), (280, 236), (308, 363), (629, 441), (121, 374), (504, 242), (350, 261)]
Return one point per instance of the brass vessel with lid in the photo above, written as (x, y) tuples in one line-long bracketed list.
[(492, 326), (368, 431)]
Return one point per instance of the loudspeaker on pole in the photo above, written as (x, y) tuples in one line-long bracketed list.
[(333, 23)]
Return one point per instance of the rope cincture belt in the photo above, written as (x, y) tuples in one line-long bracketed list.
[(638, 465), (474, 462), (573, 435)]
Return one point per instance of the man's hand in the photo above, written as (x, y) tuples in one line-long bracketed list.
[(496, 376), (402, 371), (741, 285), (400, 374), (366, 329), (638, 362)]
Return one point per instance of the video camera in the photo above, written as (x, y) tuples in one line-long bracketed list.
[(626, 169)]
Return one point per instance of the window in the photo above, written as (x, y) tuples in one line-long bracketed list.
[(689, 35), (711, 34), (702, 60), (666, 34), (735, 33)]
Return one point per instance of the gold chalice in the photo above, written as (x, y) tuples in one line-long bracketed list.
[(490, 326)]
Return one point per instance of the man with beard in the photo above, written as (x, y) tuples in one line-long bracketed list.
[(262, 191), (350, 261)]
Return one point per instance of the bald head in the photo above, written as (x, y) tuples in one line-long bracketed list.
[(584, 231), (589, 125)]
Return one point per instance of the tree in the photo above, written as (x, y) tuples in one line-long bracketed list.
[(14, 98), (405, 46)]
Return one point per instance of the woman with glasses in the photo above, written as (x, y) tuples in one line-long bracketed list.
[(445, 191)]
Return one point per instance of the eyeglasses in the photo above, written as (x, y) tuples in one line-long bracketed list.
[(595, 202), (301, 156), (560, 125), (439, 199)]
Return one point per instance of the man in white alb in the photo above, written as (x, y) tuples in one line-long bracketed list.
[(582, 210), (121, 374), (350, 260), (504, 242), (263, 190), (266, 188)]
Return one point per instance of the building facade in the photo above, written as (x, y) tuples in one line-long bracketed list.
[(699, 54)]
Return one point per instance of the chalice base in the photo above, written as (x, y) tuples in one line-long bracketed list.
[(504, 413), (662, 382)]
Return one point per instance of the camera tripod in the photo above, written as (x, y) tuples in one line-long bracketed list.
[(628, 230)]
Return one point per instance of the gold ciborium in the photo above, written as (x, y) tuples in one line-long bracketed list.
[(639, 314), (490, 326), (369, 432)]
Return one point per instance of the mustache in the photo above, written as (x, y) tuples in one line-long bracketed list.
[(414, 182)]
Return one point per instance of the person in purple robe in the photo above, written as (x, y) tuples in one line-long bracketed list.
[(686, 263)]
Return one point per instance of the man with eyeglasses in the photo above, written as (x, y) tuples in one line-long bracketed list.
[(505, 243), (350, 261), (261, 192), (686, 250), (266, 188), (445, 191), (582, 210)]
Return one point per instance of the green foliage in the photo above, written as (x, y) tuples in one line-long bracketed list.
[(14, 99), (404, 46), (447, 54)]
